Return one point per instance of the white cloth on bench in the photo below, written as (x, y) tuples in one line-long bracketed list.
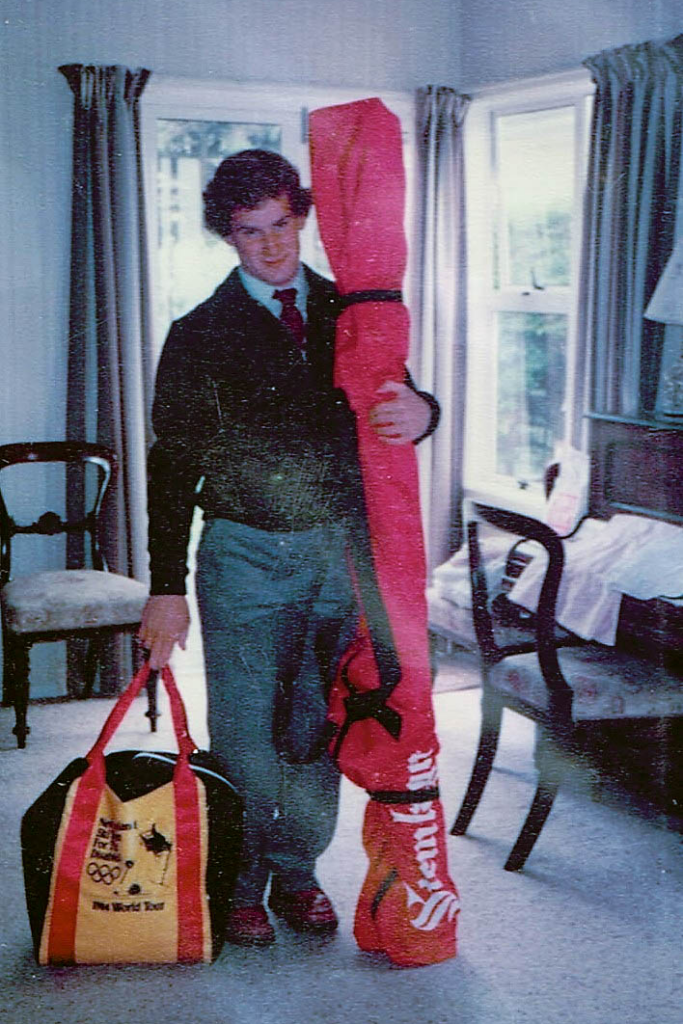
[(626, 554)]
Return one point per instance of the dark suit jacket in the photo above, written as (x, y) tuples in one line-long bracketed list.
[(244, 426)]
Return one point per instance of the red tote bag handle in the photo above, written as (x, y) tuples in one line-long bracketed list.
[(62, 938), (186, 745)]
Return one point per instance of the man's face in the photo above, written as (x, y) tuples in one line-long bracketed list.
[(267, 240)]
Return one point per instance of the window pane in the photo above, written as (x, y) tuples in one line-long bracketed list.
[(192, 261), (536, 197), (531, 388)]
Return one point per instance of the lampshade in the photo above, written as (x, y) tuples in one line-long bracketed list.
[(666, 304)]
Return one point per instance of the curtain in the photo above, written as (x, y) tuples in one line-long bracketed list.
[(109, 360), (630, 219), (670, 392), (438, 344)]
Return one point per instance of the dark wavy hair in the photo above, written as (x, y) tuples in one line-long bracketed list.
[(246, 179)]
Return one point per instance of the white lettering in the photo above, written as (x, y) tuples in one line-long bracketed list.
[(440, 904), (423, 855), (428, 869), (424, 834), (416, 815), (424, 780), (434, 886), (434, 909), (418, 756)]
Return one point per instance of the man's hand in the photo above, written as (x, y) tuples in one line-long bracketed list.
[(403, 418), (165, 622)]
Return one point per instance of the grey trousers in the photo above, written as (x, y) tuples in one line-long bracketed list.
[(275, 608)]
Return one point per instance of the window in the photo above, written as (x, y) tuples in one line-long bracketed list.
[(526, 152), (188, 152), (187, 129)]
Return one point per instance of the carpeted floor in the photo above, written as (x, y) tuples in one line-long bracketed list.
[(589, 933)]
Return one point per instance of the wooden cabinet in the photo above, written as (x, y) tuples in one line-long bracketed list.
[(637, 466)]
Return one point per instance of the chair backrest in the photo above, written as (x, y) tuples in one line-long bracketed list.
[(545, 640), (75, 456)]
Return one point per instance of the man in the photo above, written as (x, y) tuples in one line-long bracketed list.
[(249, 426)]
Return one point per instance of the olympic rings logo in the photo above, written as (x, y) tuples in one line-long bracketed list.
[(103, 872)]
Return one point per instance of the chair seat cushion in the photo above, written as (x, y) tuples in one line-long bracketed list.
[(451, 620), (607, 683), (71, 599), (455, 623)]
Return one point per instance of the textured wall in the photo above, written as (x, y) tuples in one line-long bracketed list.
[(506, 39)]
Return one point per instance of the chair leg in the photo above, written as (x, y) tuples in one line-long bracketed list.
[(433, 655), (6, 672), (492, 713), (152, 708), (536, 818), (18, 665), (549, 779), (92, 660)]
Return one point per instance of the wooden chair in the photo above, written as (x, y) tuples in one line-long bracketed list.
[(556, 685), (50, 605), (452, 625)]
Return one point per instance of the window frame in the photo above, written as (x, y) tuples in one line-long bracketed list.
[(485, 301)]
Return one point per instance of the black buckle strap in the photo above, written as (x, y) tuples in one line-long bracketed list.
[(393, 796), (372, 704), (372, 295), (367, 704)]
